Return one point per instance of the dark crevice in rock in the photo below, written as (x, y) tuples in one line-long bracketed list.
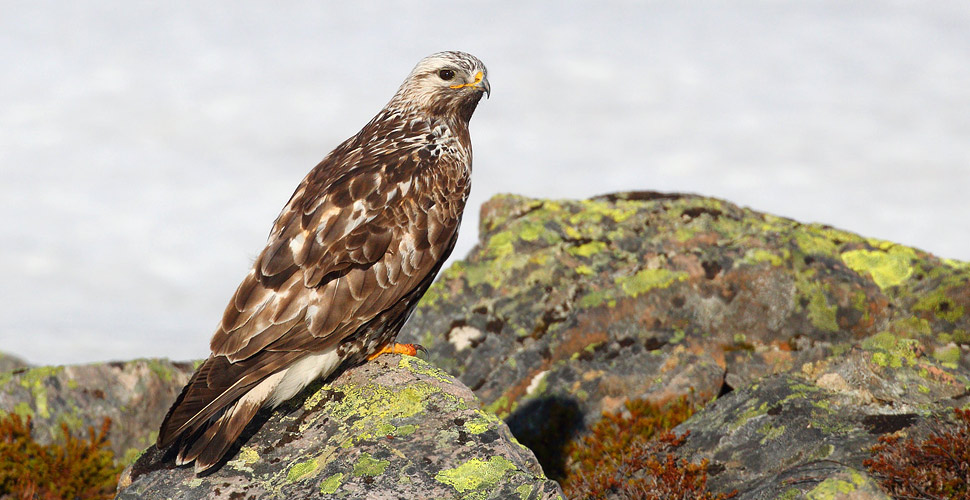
[(711, 269), (545, 425), (653, 343), (639, 196), (885, 424), (695, 212)]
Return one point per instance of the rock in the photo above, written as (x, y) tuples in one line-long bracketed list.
[(134, 394), (786, 434), (566, 309), (9, 363), (395, 427)]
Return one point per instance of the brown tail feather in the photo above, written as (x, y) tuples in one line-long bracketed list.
[(216, 385), (209, 448), (221, 442)]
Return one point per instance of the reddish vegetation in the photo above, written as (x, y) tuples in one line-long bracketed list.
[(76, 468), (936, 468), (629, 455)]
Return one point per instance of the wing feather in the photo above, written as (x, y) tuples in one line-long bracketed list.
[(353, 242)]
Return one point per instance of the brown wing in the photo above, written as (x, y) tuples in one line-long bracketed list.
[(361, 232)]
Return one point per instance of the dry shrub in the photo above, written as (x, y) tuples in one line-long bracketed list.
[(629, 454), (936, 468), (72, 469)]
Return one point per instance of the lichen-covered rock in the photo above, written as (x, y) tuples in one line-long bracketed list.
[(624, 295), (787, 436), (395, 427), (133, 394)]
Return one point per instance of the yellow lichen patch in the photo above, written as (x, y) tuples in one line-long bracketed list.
[(301, 470), (648, 279), (367, 465), (814, 244), (475, 474), (246, 457), (330, 485), (887, 268), (588, 249), (758, 255), (421, 367)]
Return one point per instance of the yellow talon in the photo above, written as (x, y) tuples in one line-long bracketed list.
[(395, 348)]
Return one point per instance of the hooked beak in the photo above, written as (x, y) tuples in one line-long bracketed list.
[(486, 86)]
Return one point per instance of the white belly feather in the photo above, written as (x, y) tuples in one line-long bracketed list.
[(294, 378)]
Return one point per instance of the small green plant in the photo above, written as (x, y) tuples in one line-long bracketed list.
[(629, 455), (936, 468), (74, 469)]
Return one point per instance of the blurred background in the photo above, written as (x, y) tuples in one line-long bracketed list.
[(146, 147)]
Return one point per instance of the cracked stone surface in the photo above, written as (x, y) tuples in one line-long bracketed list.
[(395, 427), (566, 308)]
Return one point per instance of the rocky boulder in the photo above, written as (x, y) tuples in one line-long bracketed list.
[(395, 427), (135, 395), (566, 309)]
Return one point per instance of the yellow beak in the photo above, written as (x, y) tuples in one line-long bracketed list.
[(480, 82)]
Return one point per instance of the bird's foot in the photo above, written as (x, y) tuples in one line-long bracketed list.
[(395, 348)]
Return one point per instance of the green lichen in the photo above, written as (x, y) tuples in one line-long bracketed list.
[(770, 432), (481, 423), (367, 465), (34, 380), (837, 487), (330, 485), (23, 409), (595, 299), (595, 210), (948, 355), (419, 366), (891, 351), (940, 305), (524, 491), (759, 255), (302, 470), (475, 474), (246, 457), (831, 489), (750, 413), (822, 314), (649, 279), (500, 244), (501, 406), (374, 410), (887, 268), (812, 243), (588, 249), (405, 430), (822, 452)]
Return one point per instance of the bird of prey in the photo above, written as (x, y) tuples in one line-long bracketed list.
[(356, 246)]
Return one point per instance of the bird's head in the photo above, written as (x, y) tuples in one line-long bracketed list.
[(445, 83)]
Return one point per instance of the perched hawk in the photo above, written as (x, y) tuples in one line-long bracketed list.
[(357, 245)]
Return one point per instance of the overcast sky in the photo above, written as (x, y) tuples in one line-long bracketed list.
[(145, 147)]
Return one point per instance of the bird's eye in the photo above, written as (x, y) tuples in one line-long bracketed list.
[(446, 74)]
